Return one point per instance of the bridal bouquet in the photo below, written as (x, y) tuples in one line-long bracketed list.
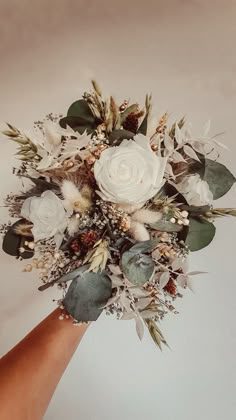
[(113, 207)]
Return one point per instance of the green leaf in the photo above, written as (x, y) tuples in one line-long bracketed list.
[(79, 124), (165, 225), (73, 274), (196, 210), (144, 246), (81, 109), (11, 242), (117, 136), (138, 268), (200, 234), (87, 296), (143, 126), (80, 117), (218, 177)]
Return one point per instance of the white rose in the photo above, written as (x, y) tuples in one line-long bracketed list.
[(129, 173), (48, 216), (195, 190)]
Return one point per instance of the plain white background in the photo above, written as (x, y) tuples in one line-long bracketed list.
[(184, 53)]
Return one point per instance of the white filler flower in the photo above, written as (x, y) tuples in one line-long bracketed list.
[(129, 173), (195, 190), (48, 216)]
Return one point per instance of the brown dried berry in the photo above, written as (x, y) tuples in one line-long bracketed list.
[(170, 288), (131, 123), (89, 238), (75, 246)]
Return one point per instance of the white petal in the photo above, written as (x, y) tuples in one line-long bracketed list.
[(139, 327), (143, 303), (189, 284), (195, 273), (169, 170), (45, 163), (52, 133), (164, 278), (73, 226), (218, 143), (177, 264), (198, 146), (125, 302), (182, 280), (169, 143), (112, 300), (190, 152), (116, 281), (58, 238), (177, 157), (178, 135), (115, 269)]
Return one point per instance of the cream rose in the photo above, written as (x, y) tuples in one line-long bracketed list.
[(48, 216), (129, 173), (195, 190)]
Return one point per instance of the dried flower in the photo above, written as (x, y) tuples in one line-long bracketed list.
[(125, 223), (139, 232), (24, 229), (73, 225), (75, 246), (130, 173), (195, 190), (131, 123), (47, 214), (171, 288), (98, 256), (89, 238), (74, 199)]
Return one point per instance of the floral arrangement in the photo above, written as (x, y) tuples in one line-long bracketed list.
[(113, 208)]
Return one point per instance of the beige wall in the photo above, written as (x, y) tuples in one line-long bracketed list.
[(184, 52)]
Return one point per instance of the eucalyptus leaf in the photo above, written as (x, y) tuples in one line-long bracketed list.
[(117, 136), (165, 225), (200, 234), (196, 210), (198, 167), (73, 274), (143, 126), (218, 177), (138, 268), (80, 124), (81, 109), (145, 246), (87, 295), (80, 117)]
